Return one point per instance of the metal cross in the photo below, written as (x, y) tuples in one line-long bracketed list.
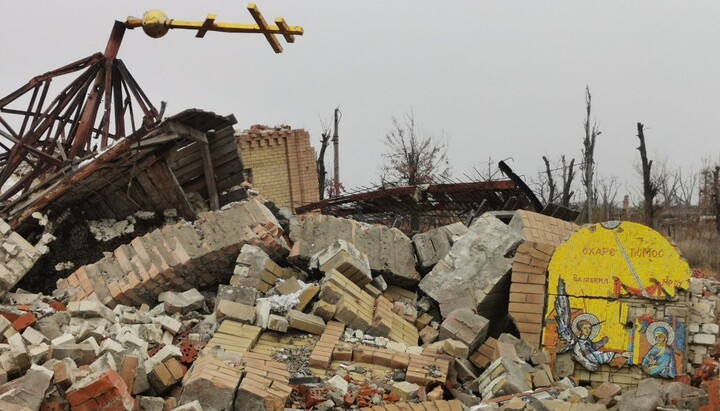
[(156, 24)]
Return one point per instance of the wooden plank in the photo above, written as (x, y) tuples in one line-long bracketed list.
[(209, 176), (179, 157), (197, 168), (167, 185)]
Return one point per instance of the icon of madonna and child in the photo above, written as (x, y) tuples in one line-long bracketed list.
[(580, 338)]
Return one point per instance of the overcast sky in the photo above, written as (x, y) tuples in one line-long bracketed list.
[(499, 79)]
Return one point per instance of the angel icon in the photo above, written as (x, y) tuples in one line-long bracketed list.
[(580, 334)]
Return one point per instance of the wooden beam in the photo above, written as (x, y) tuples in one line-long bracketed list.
[(260, 20), (184, 131), (209, 176), (207, 24)]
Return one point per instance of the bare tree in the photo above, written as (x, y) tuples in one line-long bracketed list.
[(686, 186), (567, 179), (546, 185), (650, 187), (607, 193), (411, 156), (588, 165), (320, 161), (550, 180)]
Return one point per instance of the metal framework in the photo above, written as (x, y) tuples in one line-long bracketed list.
[(39, 137)]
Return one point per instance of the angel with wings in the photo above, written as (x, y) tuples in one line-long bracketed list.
[(579, 334)]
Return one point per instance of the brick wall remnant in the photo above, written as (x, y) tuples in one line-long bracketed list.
[(529, 271), (177, 257), (283, 165), (17, 257)]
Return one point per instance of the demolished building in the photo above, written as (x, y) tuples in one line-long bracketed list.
[(200, 295)]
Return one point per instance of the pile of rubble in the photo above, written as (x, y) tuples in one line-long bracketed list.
[(232, 312)]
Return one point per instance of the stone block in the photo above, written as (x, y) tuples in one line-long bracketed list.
[(235, 311), (464, 325), (476, 262), (704, 339), (432, 246), (405, 390), (455, 348), (389, 251), (183, 303), (29, 390), (289, 286), (306, 322), (278, 323), (324, 310), (428, 335), (212, 383), (343, 257), (149, 403), (243, 295), (710, 328)]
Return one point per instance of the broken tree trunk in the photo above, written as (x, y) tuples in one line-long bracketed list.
[(649, 187)]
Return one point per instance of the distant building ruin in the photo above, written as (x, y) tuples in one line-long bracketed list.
[(280, 163)]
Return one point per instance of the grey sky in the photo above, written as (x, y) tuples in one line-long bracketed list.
[(500, 79)]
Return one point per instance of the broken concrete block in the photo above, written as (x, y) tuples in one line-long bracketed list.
[(389, 251), (244, 295), (19, 351), (90, 309), (150, 403), (605, 390), (433, 245), (306, 296), (456, 349), (29, 390), (466, 326), (504, 377), (235, 311), (540, 357), (249, 267), (648, 396), (81, 354), (192, 406), (289, 286), (338, 384), (345, 259), (18, 255), (324, 310), (211, 383), (278, 323), (405, 390), (429, 335), (306, 322), (262, 313), (106, 385), (169, 324), (476, 263), (34, 337), (183, 303), (103, 363), (62, 374), (523, 350)]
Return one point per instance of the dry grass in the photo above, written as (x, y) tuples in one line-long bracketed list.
[(701, 248)]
